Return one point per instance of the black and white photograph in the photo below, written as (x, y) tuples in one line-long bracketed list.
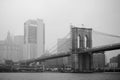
[(59, 39)]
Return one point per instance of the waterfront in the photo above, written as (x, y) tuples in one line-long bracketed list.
[(60, 76)]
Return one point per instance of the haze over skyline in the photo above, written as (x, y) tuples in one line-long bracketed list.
[(101, 15)]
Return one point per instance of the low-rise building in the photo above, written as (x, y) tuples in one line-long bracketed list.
[(119, 61), (113, 65), (99, 61), (115, 62)]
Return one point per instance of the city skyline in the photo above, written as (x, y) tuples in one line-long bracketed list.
[(95, 43), (59, 39), (101, 15), (12, 48)]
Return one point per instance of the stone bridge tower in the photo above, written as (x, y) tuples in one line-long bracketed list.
[(81, 40)]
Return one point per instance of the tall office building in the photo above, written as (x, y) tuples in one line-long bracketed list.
[(34, 38)]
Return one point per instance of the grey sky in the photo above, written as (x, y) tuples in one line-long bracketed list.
[(101, 15)]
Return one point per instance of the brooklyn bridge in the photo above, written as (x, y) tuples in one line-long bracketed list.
[(78, 52)]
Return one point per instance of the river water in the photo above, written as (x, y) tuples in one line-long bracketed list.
[(60, 76)]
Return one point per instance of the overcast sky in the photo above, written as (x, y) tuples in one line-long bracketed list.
[(101, 15)]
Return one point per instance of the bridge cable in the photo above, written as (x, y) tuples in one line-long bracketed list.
[(56, 44), (63, 44), (106, 34), (53, 50)]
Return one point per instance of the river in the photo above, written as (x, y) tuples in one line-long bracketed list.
[(60, 76)]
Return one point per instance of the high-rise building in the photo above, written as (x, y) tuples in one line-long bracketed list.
[(9, 50), (34, 38)]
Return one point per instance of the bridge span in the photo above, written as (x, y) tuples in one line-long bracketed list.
[(93, 50), (81, 52)]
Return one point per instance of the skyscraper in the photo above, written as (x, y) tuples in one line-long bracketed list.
[(34, 38)]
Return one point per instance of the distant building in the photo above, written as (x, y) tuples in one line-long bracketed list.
[(115, 62), (19, 40), (114, 59), (99, 61), (64, 46), (46, 53), (9, 50), (34, 38), (113, 65), (3, 53), (118, 60)]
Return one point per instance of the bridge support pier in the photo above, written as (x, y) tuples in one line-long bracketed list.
[(82, 62), (81, 40), (85, 62)]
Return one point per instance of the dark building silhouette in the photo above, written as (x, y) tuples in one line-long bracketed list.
[(99, 61)]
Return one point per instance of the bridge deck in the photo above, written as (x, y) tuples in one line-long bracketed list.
[(92, 50)]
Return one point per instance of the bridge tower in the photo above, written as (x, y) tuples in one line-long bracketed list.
[(81, 40)]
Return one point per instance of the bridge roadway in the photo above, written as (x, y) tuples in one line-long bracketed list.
[(102, 48), (91, 50)]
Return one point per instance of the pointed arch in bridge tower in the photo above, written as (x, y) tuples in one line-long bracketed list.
[(81, 40)]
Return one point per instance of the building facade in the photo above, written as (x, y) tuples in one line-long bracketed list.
[(115, 62), (19, 40), (99, 61), (118, 60), (9, 50), (34, 38)]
